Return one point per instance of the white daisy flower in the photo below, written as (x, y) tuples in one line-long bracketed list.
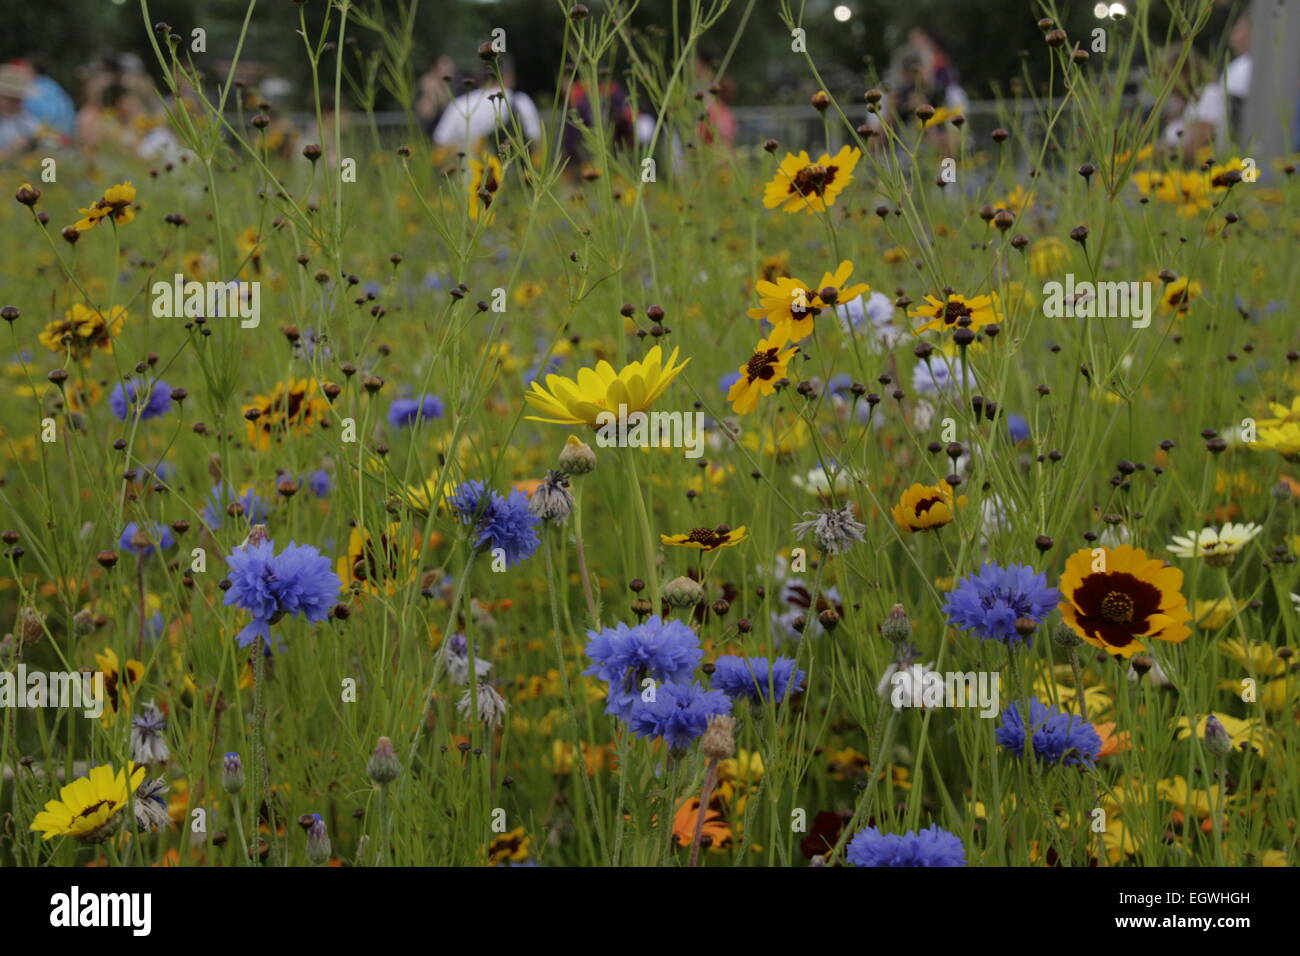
[(1218, 546)]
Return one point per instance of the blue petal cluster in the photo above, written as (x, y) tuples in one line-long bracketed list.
[(298, 580), (990, 601), (663, 651), (128, 399), (159, 536), (679, 713), (929, 847), (223, 496), (499, 521), (752, 678), (1057, 737), (407, 411)]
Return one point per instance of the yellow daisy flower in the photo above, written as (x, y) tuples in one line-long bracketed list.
[(800, 185)]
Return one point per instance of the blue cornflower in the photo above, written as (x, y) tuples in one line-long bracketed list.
[(318, 482), (144, 540), (752, 678), (1057, 737), (679, 713), (298, 580), (663, 651), (929, 847), (929, 378), (223, 496), (990, 601), (1018, 426), (499, 522), (409, 411), (728, 380), (128, 400)]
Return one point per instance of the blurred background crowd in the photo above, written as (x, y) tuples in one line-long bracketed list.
[(954, 55)]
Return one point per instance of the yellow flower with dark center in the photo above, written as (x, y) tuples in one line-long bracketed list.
[(88, 807), (82, 330), (117, 683), (485, 177), (1115, 598), (509, 847), (376, 562), (1178, 295), (1219, 178), (758, 376), (637, 386), (957, 312), (1189, 191), (800, 185), (1017, 201), (706, 539), (926, 507), (115, 204), (292, 408), (790, 305)]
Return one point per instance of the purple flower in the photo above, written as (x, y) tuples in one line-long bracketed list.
[(143, 540), (128, 399), (499, 522), (1057, 737), (405, 412), (298, 580), (678, 713), (657, 650), (930, 847), (752, 678), (223, 496), (990, 602)]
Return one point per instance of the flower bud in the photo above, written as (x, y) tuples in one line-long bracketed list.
[(719, 741), (232, 773), (383, 767), (576, 457), (683, 592), (318, 841), (1217, 741), (897, 628)]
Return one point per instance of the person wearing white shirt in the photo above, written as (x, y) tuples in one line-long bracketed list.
[(472, 117)]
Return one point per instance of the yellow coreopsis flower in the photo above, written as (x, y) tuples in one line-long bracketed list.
[(758, 376), (115, 204), (1283, 439), (790, 305), (1178, 295), (637, 386), (81, 330), (290, 408), (1189, 191), (485, 178), (1047, 256), (88, 807), (1116, 597), (706, 539), (956, 311), (800, 185), (926, 507)]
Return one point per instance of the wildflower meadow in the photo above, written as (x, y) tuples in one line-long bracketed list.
[(923, 492)]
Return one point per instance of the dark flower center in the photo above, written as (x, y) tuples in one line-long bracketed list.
[(925, 504), (1117, 606), (761, 365), (953, 311), (813, 179), (706, 537), (92, 808)]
